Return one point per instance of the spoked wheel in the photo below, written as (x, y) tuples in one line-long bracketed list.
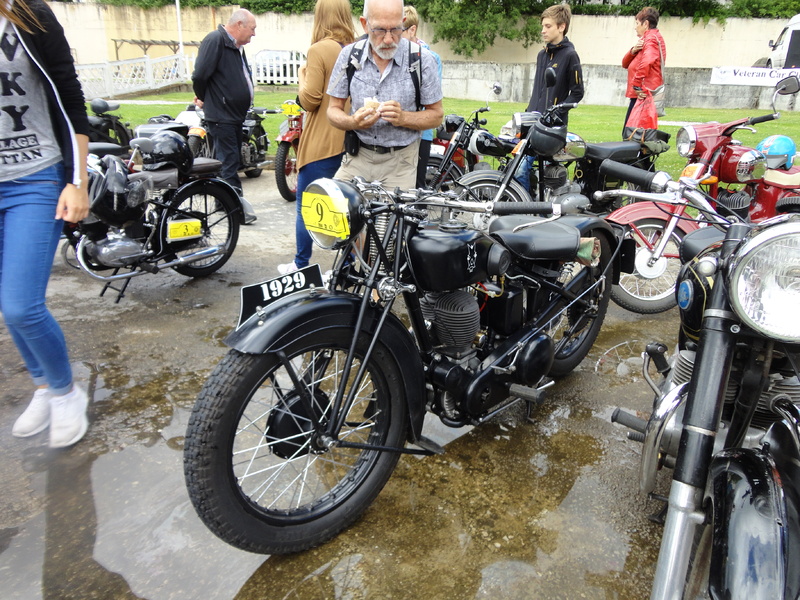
[(650, 288), (449, 177), (260, 470), (286, 171), (577, 329), (219, 226), (483, 186)]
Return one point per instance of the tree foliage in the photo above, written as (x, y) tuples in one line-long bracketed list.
[(472, 26)]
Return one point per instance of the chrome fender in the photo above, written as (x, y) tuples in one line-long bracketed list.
[(756, 545), (279, 324), (625, 215), (657, 425)]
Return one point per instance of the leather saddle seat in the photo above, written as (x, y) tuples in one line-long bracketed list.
[(541, 239)]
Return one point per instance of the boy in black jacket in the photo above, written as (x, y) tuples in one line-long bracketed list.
[(560, 54)]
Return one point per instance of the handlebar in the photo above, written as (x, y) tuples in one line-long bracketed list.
[(635, 175), (764, 118), (524, 208)]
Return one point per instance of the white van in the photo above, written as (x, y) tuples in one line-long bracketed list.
[(780, 47)]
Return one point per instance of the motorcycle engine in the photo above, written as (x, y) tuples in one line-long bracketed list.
[(114, 250), (455, 320)]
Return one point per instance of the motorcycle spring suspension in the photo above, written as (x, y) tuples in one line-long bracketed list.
[(381, 225)]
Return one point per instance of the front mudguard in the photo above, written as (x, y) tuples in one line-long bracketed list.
[(275, 327), (625, 215), (756, 541)]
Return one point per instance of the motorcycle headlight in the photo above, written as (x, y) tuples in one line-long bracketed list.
[(686, 140), (574, 149), (752, 165), (764, 278), (331, 212)]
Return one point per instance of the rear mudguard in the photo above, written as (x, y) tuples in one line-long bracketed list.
[(625, 215), (282, 322), (756, 542)]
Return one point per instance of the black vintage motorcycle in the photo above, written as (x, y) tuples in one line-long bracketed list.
[(173, 214), (725, 416), (299, 427), (107, 127)]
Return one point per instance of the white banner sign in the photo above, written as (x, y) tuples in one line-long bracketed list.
[(750, 75)]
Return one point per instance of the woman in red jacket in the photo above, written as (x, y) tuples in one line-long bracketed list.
[(645, 60)]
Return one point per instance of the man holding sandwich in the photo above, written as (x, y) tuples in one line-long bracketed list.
[(384, 115)]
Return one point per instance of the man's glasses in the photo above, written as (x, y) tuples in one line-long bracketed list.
[(395, 31)]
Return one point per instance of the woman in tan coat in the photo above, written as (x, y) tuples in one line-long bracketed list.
[(321, 145)]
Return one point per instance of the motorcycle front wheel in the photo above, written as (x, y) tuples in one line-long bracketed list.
[(219, 220), (286, 171), (260, 473), (575, 331), (483, 186), (650, 288)]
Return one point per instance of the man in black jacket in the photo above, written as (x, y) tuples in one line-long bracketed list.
[(223, 87), (560, 54)]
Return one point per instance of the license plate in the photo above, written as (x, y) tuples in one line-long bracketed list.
[(184, 229), (260, 295), (326, 214)]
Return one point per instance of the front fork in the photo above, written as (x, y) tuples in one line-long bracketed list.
[(701, 420)]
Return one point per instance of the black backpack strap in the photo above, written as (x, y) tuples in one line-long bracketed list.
[(415, 69)]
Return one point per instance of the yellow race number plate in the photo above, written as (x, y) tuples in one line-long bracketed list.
[(184, 229), (325, 214)]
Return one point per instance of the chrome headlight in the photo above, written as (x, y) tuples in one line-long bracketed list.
[(764, 278), (752, 165), (574, 149), (331, 212), (686, 140)]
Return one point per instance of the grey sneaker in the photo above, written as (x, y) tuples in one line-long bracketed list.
[(68, 418), (36, 417)]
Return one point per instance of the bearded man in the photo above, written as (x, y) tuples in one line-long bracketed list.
[(388, 110)]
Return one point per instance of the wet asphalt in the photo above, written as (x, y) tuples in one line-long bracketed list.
[(514, 509)]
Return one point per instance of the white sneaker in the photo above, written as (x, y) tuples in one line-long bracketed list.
[(68, 418), (36, 417), (287, 268)]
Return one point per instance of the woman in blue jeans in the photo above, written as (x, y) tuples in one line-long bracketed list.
[(43, 146), (321, 145)]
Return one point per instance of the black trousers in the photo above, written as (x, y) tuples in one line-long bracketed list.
[(227, 138)]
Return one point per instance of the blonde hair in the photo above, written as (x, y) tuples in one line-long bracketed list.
[(333, 19), (411, 16), (21, 15)]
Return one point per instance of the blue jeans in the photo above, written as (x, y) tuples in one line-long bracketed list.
[(29, 235), (523, 174), (227, 139), (326, 167)]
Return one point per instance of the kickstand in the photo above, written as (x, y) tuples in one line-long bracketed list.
[(120, 291), (661, 516)]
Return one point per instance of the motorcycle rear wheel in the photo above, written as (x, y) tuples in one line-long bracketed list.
[(199, 146), (219, 218), (576, 331), (286, 171), (259, 475), (650, 289)]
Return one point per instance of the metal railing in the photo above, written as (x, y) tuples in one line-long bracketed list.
[(132, 75)]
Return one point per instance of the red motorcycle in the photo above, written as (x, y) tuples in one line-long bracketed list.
[(736, 176), (757, 183), (286, 156)]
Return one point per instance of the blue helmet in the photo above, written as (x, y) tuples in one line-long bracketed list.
[(779, 150)]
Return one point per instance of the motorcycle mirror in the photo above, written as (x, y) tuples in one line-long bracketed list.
[(142, 144), (549, 77), (497, 88), (789, 85)]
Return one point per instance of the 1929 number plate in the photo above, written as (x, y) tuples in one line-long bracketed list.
[(259, 295)]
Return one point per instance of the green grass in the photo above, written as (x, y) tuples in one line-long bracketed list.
[(592, 123)]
